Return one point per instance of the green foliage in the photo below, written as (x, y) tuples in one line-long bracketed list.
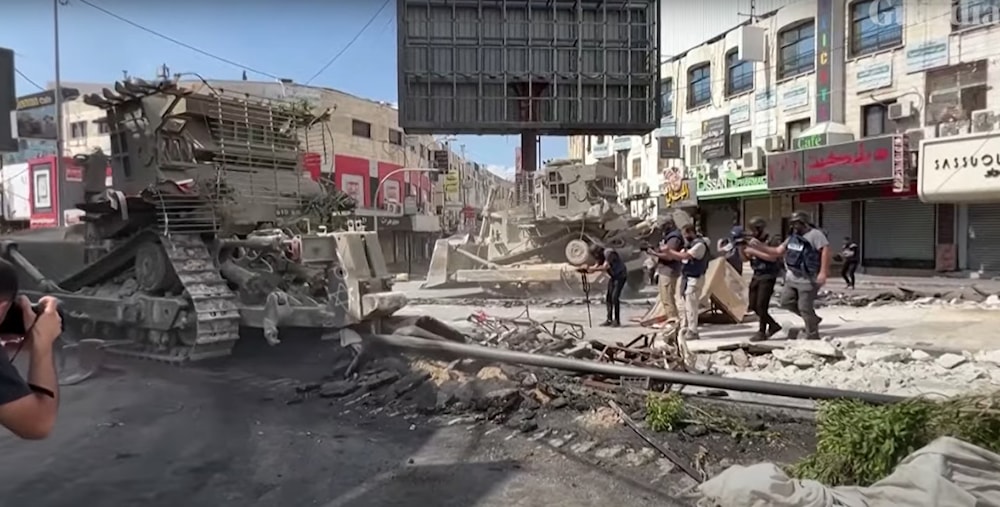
[(664, 412), (859, 444)]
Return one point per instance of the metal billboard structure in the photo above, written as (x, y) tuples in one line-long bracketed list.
[(548, 67)]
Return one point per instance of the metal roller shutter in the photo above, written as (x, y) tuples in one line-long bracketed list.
[(898, 229), (718, 222), (835, 220), (984, 237), (767, 208)]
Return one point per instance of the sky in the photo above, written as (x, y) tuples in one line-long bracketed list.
[(288, 39), (270, 38)]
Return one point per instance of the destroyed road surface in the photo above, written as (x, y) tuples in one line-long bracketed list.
[(236, 434)]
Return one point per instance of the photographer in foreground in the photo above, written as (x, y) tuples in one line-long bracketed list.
[(28, 409)]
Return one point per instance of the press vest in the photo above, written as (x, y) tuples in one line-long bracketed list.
[(673, 265), (800, 256), (695, 268), (762, 267)]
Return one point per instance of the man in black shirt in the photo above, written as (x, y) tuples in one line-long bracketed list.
[(28, 409), (765, 275), (851, 261), (608, 260)]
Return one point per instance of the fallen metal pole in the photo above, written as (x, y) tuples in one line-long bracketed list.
[(668, 376)]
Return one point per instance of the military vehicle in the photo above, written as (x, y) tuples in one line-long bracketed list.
[(534, 248), (211, 225)]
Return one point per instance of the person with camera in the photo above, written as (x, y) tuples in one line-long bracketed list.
[(28, 409)]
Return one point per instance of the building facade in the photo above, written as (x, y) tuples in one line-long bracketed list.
[(360, 149), (826, 113)]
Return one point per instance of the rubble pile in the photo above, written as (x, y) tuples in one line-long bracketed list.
[(481, 302), (888, 370)]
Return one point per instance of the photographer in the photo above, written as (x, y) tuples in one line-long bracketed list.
[(28, 409)]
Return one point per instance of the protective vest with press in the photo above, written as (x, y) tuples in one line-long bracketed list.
[(695, 268), (674, 234), (616, 266), (801, 257), (764, 267)]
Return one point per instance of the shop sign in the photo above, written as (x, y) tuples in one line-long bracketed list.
[(739, 113), (355, 223), (600, 150), (824, 60), (874, 76), (677, 191), (623, 143), (960, 169), (727, 180), (795, 97), (764, 100), (854, 162), (784, 170), (670, 147), (927, 55), (402, 223), (810, 141), (715, 138)]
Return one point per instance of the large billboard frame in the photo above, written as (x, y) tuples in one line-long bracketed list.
[(571, 102)]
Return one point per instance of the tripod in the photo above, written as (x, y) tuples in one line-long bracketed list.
[(585, 282)]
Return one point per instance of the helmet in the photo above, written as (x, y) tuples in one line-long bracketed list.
[(758, 222), (801, 216)]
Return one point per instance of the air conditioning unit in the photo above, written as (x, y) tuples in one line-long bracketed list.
[(914, 136), (900, 110), (953, 128), (753, 161), (774, 143), (983, 121)]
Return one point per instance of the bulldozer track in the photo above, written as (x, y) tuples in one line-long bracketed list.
[(214, 306)]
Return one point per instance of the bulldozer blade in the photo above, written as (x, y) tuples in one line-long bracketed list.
[(79, 361)]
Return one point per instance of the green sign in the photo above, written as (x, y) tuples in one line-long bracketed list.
[(719, 183), (813, 141)]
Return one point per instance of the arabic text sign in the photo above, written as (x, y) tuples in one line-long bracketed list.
[(715, 138), (855, 162), (784, 170), (685, 196)]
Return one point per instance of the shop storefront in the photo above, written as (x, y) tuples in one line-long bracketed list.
[(722, 193), (965, 171), (861, 190)]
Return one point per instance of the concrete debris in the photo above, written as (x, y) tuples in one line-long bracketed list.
[(871, 355), (950, 361)]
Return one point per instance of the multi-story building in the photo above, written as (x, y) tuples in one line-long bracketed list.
[(362, 150), (825, 112)]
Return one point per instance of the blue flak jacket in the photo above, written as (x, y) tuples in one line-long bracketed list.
[(695, 268), (801, 257)]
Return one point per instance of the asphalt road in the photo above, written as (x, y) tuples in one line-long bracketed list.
[(223, 435)]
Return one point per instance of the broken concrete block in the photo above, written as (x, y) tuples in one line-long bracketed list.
[(794, 357), (740, 358), (881, 355), (818, 348), (988, 356), (992, 300), (337, 389), (919, 355), (949, 361)]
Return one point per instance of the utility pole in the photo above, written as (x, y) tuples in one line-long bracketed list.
[(58, 91)]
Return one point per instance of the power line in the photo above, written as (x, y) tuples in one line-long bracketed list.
[(177, 42), (349, 44), (28, 79)]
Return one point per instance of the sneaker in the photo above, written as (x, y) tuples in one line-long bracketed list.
[(615, 324), (605, 323), (812, 336)]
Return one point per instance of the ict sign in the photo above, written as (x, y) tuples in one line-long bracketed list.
[(824, 35), (854, 162)]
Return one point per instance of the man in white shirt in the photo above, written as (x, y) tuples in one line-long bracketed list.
[(695, 261)]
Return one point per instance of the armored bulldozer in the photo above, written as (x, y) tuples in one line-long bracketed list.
[(210, 226), (534, 249)]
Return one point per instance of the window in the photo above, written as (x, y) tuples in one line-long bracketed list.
[(739, 74), (559, 192), (953, 93), (42, 183), (872, 34), (699, 85), (636, 168), (103, 127), (797, 50), (395, 137), (974, 13), (667, 97), (361, 129), (794, 129), (600, 139), (739, 144), (875, 120), (78, 129)]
